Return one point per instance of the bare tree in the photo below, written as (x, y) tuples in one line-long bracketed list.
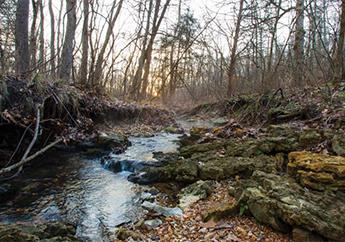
[(85, 45), (339, 58), (22, 39), (136, 82), (52, 40), (42, 45), (33, 34), (67, 50), (157, 20), (173, 67), (299, 44), (233, 56), (273, 42), (97, 75)]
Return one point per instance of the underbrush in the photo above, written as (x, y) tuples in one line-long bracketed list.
[(278, 107)]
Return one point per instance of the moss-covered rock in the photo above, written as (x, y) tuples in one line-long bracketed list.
[(104, 142), (184, 171), (282, 203), (188, 151), (229, 167), (273, 145), (173, 129), (244, 148), (12, 234), (317, 171), (112, 140), (193, 193), (221, 211), (338, 145), (213, 168), (310, 137), (52, 231)]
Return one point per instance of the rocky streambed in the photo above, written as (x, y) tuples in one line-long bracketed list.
[(276, 175)]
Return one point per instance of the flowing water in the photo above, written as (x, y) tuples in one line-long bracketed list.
[(80, 190)]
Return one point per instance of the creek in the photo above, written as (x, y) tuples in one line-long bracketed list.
[(80, 190)]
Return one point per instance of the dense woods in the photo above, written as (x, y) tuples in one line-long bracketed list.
[(165, 51)]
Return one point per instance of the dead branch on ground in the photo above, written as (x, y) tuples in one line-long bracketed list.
[(25, 157)]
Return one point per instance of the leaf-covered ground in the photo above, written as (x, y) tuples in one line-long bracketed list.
[(191, 226)]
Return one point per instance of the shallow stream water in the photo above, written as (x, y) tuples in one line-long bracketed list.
[(80, 190)]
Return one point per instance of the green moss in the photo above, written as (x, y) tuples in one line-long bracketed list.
[(188, 151), (310, 137)]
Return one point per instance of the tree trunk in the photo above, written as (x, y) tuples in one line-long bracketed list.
[(41, 54), (233, 57), (52, 40), (2, 55), (67, 50), (59, 38), (85, 46), (339, 58), (299, 45), (22, 39), (33, 37)]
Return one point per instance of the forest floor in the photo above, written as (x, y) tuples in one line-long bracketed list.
[(191, 226)]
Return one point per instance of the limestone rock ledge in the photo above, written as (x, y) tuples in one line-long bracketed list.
[(282, 203), (317, 171)]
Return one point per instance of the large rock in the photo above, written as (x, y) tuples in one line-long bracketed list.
[(282, 203), (112, 141), (317, 171), (165, 211), (193, 193), (338, 145), (276, 139), (53, 231), (153, 223), (190, 150), (205, 168), (183, 171), (229, 167), (301, 235), (220, 211), (104, 142), (282, 130), (130, 165)]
